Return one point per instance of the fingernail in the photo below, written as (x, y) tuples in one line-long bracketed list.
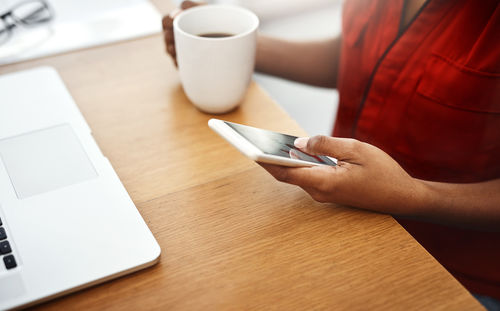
[(301, 142)]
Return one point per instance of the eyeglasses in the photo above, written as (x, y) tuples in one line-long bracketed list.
[(28, 14)]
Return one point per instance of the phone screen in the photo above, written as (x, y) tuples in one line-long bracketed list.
[(277, 144)]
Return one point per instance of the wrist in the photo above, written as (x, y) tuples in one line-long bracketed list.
[(424, 200), (262, 54)]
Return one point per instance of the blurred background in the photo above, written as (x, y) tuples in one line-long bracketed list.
[(80, 24)]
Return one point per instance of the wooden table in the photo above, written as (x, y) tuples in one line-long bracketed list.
[(231, 236)]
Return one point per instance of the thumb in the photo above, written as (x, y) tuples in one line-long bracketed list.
[(340, 148)]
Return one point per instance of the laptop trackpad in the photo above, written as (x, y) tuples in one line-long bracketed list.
[(45, 160)]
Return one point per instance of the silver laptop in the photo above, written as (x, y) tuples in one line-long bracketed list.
[(67, 222)]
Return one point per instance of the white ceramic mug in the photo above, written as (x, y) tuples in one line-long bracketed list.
[(215, 72)]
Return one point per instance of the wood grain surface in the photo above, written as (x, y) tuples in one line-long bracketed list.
[(231, 236)]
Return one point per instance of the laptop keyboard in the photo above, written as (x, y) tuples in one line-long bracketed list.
[(5, 249)]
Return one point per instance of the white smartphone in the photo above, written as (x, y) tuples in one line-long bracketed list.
[(266, 146)]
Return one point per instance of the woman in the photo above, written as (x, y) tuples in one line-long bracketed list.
[(418, 128)]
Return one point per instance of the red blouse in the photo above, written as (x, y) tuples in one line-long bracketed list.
[(429, 95)]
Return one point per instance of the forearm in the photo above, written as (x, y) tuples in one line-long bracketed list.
[(314, 63), (473, 205)]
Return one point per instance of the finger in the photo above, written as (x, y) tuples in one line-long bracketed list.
[(316, 195), (315, 177), (341, 148), (169, 46), (169, 36), (171, 50), (188, 4), (167, 22)]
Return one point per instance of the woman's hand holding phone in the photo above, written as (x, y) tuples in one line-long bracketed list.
[(365, 176)]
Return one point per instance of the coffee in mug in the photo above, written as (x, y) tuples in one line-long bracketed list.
[(216, 35), (215, 47)]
